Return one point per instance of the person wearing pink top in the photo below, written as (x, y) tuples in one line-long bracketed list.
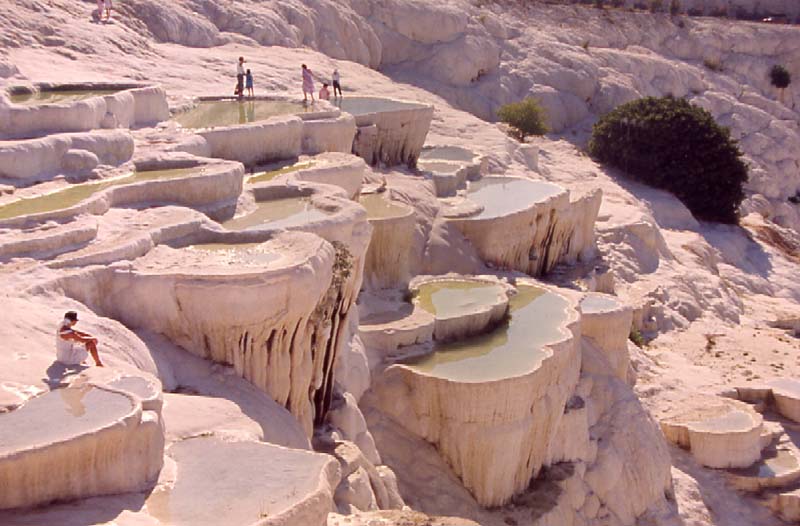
[(108, 5), (308, 84)]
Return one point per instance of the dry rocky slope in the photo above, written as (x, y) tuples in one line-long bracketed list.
[(289, 357)]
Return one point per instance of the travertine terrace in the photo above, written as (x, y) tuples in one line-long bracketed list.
[(382, 309)]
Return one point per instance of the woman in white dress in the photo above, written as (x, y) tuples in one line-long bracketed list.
[(68, 340)]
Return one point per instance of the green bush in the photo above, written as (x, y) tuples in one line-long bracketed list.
[(526, 117), (780, 76), (636, 337), (671, 144)]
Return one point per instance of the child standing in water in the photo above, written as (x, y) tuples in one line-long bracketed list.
[(308, 84), (249, 83)]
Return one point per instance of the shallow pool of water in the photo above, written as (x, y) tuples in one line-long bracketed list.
[(453, 298), (777, 464), (59, 415), (134, 384), (74, 194), (500, 196), (58, 96), (378, 207), (439, 167), (252, 253), (729, 422), (514, 348), (262, 174), (208, 114), (364, 105), (278, 213), (447, 153), (593, 303)]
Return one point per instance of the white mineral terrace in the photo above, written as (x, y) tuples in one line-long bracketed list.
[(462, 307), (538, 318), (607, 323), (98, 437), (526, 225), (385, 309), (720, 433), (52, 108), (388, 256), (212, 113), (444, 398), (220, 182), (278, 213)]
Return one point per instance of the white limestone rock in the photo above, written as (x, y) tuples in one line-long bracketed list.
[(211, 474), (395, 518), (78, 441), (720, 433), (474, 424)]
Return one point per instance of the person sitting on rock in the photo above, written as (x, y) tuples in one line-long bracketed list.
[(324, 94), (67, 339)]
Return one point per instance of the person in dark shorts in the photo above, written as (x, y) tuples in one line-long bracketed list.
[(336, 85)]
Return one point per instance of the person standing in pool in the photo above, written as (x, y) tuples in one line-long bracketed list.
[(336, 85), (70, 340), (249, 83), (308, 84), (240, 78), (109, 6)]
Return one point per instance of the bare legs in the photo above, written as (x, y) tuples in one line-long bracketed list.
[(91, 346)]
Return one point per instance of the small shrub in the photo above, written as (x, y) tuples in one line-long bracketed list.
[(713, 64), (526, 117), (671, 144), (675, 7), (780, 77), (656, 6), (636, 337), (585, 45)]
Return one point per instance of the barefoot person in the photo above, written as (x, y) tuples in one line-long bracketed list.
[(249, 83), (72, 345), (109, 7), (336, 85), (324, 94), (308, 84), (240, 78)]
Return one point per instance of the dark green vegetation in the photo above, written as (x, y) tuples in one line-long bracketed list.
[(780, 77), (671, 144), (526, 117)]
